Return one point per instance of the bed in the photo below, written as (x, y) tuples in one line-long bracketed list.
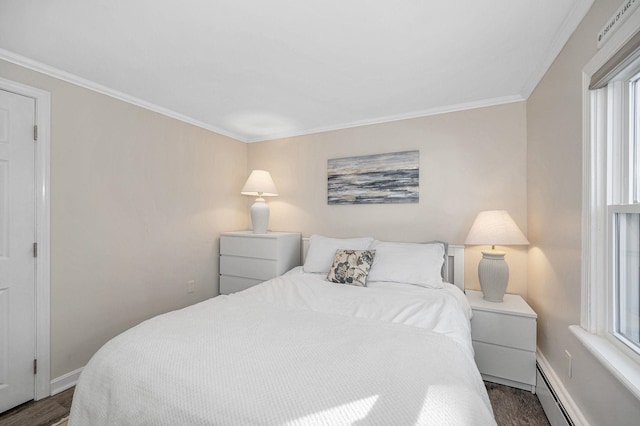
[(302, 350)]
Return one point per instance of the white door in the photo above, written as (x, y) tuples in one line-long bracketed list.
[(17, 261)]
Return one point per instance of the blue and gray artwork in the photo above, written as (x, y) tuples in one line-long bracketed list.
[(375, 179)]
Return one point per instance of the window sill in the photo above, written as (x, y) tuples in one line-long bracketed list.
[(620, 365)]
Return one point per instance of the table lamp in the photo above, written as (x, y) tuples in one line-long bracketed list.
[(261, 185), (494, 227)]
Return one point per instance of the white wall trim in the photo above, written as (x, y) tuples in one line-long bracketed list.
[(66, 381), (43, 207), (88, 84), (615, 361), (569, 25), (594, 220), (424, 113), (561, 392)]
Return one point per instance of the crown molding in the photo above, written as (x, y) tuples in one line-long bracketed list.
[(563, 35), (87, 84), (33, 65), (424, 113)]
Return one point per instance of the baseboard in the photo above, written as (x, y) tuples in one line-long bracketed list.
[(556, 415), (563, 399), (66, 381)]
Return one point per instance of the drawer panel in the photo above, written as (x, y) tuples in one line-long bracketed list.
[(258, 269), (230, 284), (258, 247), (505, 330), (507, 363)]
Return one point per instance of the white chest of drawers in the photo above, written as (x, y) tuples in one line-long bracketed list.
[(504, 340), (247, 259)]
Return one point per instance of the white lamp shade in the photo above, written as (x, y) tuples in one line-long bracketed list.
[(495, 227), (259, 183)]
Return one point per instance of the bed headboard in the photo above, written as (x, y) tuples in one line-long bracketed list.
[(453, 266)]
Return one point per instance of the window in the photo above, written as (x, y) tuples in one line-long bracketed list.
[(613, 221), (623, 186), (610, 311), (623, 206)]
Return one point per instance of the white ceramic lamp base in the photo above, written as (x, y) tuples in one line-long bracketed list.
[(493, 272), (260, 216)]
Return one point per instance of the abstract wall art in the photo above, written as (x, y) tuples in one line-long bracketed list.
[(375, 179)]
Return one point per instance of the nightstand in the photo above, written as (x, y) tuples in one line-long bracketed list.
[(504, 340), (247, 259)]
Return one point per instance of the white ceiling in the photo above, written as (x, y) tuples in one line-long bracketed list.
[(257, 70)]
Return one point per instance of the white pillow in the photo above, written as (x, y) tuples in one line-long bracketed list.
[(411, 263), (322, 250)]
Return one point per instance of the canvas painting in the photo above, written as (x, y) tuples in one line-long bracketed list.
[(375, 179)]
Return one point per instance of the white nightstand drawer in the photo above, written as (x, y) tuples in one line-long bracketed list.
[(229, 284), (504, 340), (507, 363), (503, 329), (249, 246), (258, 269), (247, 259)]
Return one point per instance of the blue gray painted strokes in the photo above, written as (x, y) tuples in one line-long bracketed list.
[(374, 179)]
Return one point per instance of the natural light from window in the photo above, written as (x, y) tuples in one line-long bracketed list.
[(627, 321), (610, 313), (624, 210)]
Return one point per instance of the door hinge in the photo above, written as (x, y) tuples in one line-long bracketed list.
[(35, 366), (35, 249), (35, 132)]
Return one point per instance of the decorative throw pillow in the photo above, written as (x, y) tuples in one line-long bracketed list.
[(351, 267)]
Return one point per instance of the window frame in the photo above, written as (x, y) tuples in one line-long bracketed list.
[(595, 324), (614, 182)]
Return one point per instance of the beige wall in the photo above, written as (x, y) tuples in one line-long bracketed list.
[(138, 201), (554, 151), (470, 161)]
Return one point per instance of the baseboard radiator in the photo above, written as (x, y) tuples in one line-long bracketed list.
[(553, 407)]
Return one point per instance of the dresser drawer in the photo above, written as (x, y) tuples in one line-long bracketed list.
[(261, 247), (506, 330), (247, 259), (258, 269), (506, 363), (229, 284)]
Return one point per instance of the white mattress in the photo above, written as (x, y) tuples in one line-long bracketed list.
[(296, 350)]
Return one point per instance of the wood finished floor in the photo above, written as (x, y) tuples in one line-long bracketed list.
[(510, 407), (41, 413)]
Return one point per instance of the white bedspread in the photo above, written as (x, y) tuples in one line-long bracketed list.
[(295, 350)]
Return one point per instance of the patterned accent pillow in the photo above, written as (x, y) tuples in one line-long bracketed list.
[(351, 267)]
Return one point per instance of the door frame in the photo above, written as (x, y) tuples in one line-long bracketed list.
[(43, 231)]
